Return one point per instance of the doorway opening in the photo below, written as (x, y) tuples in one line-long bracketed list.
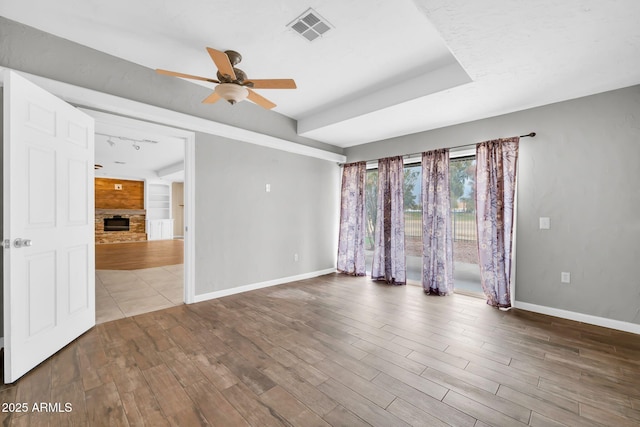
[(141, 176)]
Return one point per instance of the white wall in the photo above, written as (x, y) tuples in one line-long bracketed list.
[(581, 171)]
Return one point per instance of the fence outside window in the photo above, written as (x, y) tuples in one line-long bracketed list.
[(463, 225)]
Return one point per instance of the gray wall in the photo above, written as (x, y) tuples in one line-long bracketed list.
[(581, 171), (27, 49), (245, 235), (1, 215)]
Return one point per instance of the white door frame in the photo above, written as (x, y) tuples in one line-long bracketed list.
[(188, 138)]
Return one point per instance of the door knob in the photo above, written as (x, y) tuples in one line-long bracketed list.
[(19, 243)]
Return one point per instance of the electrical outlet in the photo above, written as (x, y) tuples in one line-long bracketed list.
[(295, 257), (118, 186), (267, 188), (545, 223), (565, 277)]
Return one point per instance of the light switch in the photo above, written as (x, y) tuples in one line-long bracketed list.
[(545, 223), (267, 188)]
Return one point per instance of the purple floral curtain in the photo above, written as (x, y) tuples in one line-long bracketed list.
[(352, 220), (389, 261), (437, 239), (495, 192)]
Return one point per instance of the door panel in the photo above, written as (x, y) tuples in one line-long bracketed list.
[(41, 189), (76, 214), (78, 297), (49, 289), (41, 287)]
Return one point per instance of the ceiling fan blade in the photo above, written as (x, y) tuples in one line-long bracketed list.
[(273, 83), (186, 76), (222, 62), (260, 100), (214, 97)]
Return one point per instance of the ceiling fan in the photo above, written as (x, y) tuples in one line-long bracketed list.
[(232, 83)]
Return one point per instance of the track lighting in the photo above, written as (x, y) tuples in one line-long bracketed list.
[(135, 143)]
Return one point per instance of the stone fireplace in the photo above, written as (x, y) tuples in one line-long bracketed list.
[(120, 225)]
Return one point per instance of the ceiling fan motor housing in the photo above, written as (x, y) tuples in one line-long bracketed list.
[(234, 57), (241, 76)]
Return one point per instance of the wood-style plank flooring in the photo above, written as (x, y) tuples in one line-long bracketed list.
[(342, 351), (139, 255)]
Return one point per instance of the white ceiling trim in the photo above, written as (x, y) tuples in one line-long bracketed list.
[(171, 169), (438, 80), (93, 99)]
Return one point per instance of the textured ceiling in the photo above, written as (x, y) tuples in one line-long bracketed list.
[(386, 68)]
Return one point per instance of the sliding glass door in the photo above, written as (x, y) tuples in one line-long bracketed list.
[(412, 218), (466, 271), (463, 217), (370, 207)]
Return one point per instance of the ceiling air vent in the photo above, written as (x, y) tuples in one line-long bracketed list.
[(310, 25)]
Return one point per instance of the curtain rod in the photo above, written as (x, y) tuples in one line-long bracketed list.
[(529, 135)]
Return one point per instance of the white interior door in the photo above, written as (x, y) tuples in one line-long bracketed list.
[(48, 224)]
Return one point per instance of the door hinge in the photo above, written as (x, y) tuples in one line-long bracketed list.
[(7, 244)]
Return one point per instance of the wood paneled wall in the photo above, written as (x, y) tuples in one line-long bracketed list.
[(130, 197)]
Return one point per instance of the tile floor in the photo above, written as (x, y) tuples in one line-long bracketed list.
[(125, 293)]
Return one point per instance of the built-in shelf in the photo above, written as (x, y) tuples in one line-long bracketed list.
[(158, 201), (158, 204)]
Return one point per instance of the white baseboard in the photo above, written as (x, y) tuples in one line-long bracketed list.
[(260, 285), (634, 328)]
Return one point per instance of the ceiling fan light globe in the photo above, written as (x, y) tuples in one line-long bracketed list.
[(232, 92)]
